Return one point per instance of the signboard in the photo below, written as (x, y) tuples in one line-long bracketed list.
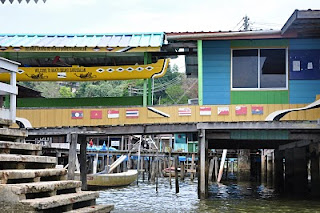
[(76, 73)]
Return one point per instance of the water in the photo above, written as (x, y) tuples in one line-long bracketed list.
[(231, 197)]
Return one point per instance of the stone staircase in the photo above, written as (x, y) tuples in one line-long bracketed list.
[(30, 182)]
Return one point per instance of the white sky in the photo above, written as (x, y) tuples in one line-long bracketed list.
[(110, 16)]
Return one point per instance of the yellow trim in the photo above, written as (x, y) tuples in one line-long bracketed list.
[(82, 49), (62, 117), (76, 73)]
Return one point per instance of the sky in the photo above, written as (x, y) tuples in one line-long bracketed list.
[(117, 16)]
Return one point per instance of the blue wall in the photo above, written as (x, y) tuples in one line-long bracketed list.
[(217, 64), (216, 72), (302, 91)]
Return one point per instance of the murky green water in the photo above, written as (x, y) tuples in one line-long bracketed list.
[(244, 197)]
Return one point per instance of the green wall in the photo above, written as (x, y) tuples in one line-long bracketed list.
[(79, 102), (260, 97)]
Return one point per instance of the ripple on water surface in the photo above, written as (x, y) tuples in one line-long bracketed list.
[(240, 197)]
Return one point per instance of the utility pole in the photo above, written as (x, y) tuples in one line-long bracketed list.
[(246, 23)]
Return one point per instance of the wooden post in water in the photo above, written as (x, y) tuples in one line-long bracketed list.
[(142, 169), (83, 162), (170, 165), (216, 168), (138, 166), (211, 167), (72, 140), (192, 167), (182, 171), (176, 160), (223, 158)]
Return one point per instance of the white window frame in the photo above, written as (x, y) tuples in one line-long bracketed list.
[(258, 70)]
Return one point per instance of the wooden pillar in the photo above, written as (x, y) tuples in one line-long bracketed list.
[(211, 167), (300, 171), (278, 170), (182, 171), (192, 168), (176, 160), (244, 165), (83, 162), (263, 166), (315, 169), (72, 140), (289, 170), (269, 168), (203, 166)]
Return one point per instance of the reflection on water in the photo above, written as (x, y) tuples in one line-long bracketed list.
[(231, 197)]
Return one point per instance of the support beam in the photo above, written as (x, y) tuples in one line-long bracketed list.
[(278, 170), (244, 165), (83, 162), (315, 169), (203, 170), (300, 171), (289, 170), (72, 140)]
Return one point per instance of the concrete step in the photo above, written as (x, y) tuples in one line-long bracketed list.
[(13, 134), (19, 148), (64, 202), (13, 161), (22, 191), (95, 209), (32, 175)]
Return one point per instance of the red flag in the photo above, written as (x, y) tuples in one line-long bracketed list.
[(241, 110), (96, 114)]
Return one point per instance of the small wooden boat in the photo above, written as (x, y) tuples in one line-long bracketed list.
[(113, 179)]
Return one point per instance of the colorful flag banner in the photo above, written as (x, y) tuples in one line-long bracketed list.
[(223, 110), (96, 114), (241, 110), (76, 114), (205, 110), (257, 110), (113, 113), (132, 113), (184, 111)]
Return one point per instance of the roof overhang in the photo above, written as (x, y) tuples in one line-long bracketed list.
[(306, 23)]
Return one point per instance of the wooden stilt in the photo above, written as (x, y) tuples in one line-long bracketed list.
[(182, 171), (211, 166), (176, 173), (72, 140), (83, 163), (223, 158)]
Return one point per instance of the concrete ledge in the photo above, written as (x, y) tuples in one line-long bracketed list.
[(95, 209), (27, 158), (30, 173), (13, 133), (60, 200), (25, 188), (22, 146)]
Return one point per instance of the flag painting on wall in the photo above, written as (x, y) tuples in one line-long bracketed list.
[(96, 114), (241, 110), (113, 113), (132, 113), (205, 110), (76, 114), (184, 111), (223, 110), (257, 110)]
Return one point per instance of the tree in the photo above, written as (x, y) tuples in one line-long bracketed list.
[(65, 92)]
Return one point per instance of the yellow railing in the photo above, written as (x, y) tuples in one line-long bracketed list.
[(63, 117)]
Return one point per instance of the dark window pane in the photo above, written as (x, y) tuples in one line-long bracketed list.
[(273, 68), (245, 69)]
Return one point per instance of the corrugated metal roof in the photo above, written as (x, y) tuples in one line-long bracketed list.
[(101, 40)]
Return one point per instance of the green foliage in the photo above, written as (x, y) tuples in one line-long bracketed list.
[(101, 89), (65, 92)]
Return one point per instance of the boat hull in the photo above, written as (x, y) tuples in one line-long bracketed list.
[(112, 180)]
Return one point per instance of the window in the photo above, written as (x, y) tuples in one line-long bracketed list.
[(259, 69)]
